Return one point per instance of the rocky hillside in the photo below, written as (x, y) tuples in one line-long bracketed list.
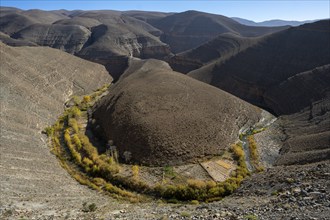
[(276, 64), (218, 49), (162, 117), (187, 30), (112, 37), (156, 116), (35, 84), (105, 37), (288, 74)]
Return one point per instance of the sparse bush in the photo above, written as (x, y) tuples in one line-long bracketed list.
[(89, 208), (76, 100), (169, 171), (49, 131)]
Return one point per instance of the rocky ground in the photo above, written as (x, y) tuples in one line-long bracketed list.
[(291, 192)]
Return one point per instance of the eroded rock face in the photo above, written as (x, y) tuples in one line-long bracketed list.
[(35, 84), (162, 117)]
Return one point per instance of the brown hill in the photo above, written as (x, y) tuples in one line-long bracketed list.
[(187, 30), (308, 134), (164, 118), (13, 19), (120, 37), (70, 38), (220, 48), (35, 84), (106, 37), (258, 73), (147, 16), (112, 37)]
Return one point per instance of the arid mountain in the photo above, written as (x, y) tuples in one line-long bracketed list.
[(220, 48), (187, 30), (157, 116), (288, 74), (69, 38), (112, 37), (13, 19), (35, 84), (147, 16), (164, 118), (308, 134), (106, 37), (272, 23), (270, 63)]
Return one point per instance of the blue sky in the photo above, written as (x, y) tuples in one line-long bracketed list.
[(259, 10)]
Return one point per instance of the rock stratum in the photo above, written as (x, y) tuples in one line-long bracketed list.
[(161, 117)]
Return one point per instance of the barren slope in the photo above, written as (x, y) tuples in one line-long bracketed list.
[(163, 117), (220, 48), (106, 37), (35, 83), (259, 73), (187, 30)]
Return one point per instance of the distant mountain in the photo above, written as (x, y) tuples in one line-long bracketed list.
[(271, 23), (187, 30), (112, 37)]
